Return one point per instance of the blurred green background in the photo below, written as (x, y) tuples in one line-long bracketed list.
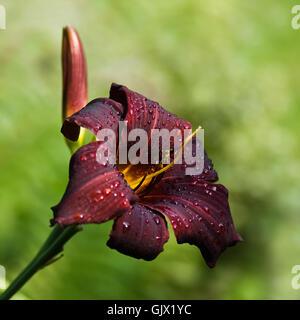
[(231, 66)]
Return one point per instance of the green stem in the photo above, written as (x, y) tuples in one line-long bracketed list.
[(51, 248)]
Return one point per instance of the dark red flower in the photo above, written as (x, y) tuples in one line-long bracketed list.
[(196, 207)]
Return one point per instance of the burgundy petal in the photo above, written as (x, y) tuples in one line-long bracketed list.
[(208, 173), (140, 233), (198, 211), (95, 193), (141, 112), (146, 114), (96, 115)]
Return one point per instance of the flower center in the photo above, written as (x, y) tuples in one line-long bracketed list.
[(139, 177)]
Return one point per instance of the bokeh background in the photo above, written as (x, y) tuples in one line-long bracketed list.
[(231, 66)]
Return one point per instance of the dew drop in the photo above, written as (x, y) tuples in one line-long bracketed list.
[(97, 196), (107, 191), (206, 209), (125, 226), (157, 221), (222, 228), (78, 216)]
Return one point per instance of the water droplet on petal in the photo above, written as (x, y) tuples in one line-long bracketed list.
[(97, 196), (107, 191), (78, 216), (126, 203), (157, 221), (125, 226), (222, 228), (206, 209)]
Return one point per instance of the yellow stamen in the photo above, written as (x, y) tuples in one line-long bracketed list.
[(136, 182), (127, 169), (150, 176)]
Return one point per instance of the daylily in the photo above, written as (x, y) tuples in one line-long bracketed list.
[(140, 197)]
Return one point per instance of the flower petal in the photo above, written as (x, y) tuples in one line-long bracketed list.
[(95, 193), (143, 113), (96, 115), (208, 173), (139, 233), (198, 211)]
